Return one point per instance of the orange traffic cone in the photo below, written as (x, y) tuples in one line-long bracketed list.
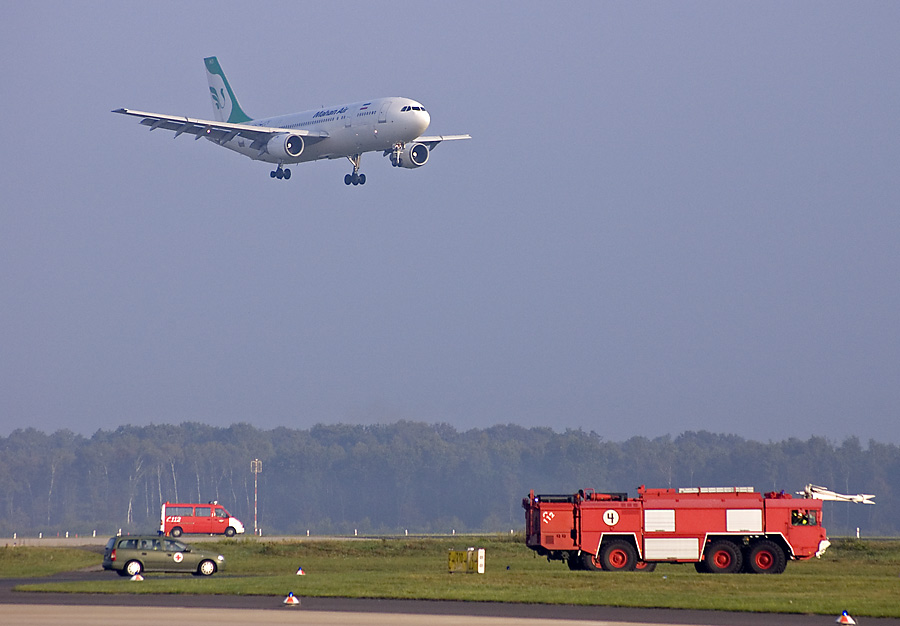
[(292, 600), (845, 618)]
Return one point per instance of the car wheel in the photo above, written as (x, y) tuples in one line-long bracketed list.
[(176, 532), (207, 568), (133, 568), (230, 532)]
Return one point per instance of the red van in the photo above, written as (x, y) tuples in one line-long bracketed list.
[(209, 519)]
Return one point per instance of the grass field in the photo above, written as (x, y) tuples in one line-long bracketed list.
[(18, 562), (862, 577)]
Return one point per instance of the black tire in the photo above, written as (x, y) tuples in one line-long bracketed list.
[(287, 173), (362, 179), (574, 562), (176, 532), (133, 568), (230, 531), (206, 568), (618, 556), (644, 566), (347, 179), (766, 557), (590, 562), (723, 557), (701, 568)]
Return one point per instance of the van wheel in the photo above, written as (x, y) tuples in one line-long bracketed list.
[(207, 568), (176, 532), (133, 568), (230, 532)]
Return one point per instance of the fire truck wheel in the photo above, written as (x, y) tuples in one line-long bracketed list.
[(618, 556), (574, 562), (701, 568), (644, 566), (723, 557), (766, 557), (590, 562), (230, 531), (176, 532)]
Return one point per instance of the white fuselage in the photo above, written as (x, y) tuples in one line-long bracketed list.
[(349, 129)]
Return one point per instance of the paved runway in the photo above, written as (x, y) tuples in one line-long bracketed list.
[(29, 614)]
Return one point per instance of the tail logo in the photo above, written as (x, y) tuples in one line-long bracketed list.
[(218, 103)]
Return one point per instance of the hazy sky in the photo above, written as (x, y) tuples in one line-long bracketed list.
[(672, 216)]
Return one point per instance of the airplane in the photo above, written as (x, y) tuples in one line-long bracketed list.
[(393, 126)]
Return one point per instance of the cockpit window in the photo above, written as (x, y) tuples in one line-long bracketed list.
[(411, 108)]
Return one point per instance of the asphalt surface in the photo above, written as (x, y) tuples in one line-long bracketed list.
[(360, 608)]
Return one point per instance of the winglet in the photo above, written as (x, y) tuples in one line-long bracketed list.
[(225, 104)]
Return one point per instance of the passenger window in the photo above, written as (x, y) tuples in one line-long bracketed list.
[(202, 511)]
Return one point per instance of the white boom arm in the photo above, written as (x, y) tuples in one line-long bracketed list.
[(821, 493)]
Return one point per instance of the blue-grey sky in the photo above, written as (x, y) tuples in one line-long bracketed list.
[(671, 216)]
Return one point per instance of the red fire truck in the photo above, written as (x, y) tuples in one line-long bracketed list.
[(719, 529)]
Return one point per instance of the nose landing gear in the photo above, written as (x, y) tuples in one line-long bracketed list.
[(355, 178)]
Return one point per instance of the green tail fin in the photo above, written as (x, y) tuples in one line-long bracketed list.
[(225, 104)]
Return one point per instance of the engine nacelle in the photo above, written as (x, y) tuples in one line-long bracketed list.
[(412, 156), (285, 146)]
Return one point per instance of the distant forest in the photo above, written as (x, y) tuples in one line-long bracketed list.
[(407, 476)]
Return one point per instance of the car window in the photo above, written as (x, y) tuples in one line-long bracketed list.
[(174, 546), (150, 544), (201, 511), (220, 512), (128, 544)]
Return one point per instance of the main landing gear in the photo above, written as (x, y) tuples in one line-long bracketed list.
[(355, 178), (281, 172)]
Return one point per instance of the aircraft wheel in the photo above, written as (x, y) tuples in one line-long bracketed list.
[(287, 173), (348, 179), (362, 179), (272, 173)]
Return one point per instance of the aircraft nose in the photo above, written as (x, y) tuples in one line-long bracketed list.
[(424, 119)]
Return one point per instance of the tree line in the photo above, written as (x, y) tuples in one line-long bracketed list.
[(406, 476)]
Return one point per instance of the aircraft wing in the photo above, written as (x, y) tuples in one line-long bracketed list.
[(220, 132), (434, 140)]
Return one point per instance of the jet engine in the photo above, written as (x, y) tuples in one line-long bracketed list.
[(412, 156), (285, 146)]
